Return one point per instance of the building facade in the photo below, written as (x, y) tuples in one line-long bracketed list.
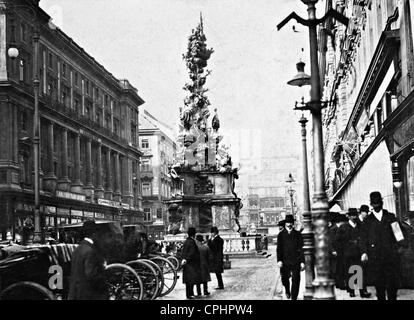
[(158, 149), (89, 152), (369, 121)]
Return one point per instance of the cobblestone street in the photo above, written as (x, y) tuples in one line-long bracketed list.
[(253, 279)]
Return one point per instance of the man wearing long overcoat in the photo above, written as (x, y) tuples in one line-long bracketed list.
[(216, 244), (380, 249), (349, 242), (87, 280), (363, 214), (290, 258), (205, 254), (191, 263)]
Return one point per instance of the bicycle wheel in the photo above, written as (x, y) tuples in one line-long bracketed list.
[(148, 276), (169, 274), (26, 290), (159, 274), (124, 283)]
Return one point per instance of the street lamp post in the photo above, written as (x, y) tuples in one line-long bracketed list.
[(291, 192), (13, 53), (323, 284), (308, 241)]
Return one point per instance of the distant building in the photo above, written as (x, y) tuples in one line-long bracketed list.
[(263, 189), (158, 149)]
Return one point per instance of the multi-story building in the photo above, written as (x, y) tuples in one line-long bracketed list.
[(159, 149), (264, 191), (89, 154), (369, 123)]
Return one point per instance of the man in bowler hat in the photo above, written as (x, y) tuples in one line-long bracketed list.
[(380, 249), (290, 258), (216, 244), (88, 280)]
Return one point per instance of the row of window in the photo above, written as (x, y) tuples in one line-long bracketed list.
[(147, 189), (148, 214)]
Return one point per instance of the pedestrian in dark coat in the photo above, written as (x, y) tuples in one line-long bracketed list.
[(87, 280), (363, 214), (341, 273), (349, 242), (191, 263), (380, 249), (332, 229), (290, 258), (204, 265), (216, 244)]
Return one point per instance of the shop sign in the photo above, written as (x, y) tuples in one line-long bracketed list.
[(70, 195), (88, 214), (78, 213), (99, 215), (50, 210), (63, 212), (108, 203), (125, 206)]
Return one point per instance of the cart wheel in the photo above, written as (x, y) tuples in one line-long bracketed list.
[(26, 290), (124, 283), (148, 276), (159, 274), (175, 262), (169, 274)]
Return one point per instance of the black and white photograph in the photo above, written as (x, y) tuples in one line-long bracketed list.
[(207, 153)]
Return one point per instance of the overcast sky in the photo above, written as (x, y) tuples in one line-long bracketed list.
[(143, 41)]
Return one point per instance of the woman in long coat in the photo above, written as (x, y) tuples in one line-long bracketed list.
[(191, 263), (204, 265)]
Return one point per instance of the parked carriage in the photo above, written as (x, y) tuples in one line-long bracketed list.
[(41, 272)]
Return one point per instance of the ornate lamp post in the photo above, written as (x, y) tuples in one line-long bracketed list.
[(323, 284), (13, 53), (291, 192)]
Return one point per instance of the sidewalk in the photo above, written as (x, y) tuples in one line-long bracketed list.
[(403, 294)]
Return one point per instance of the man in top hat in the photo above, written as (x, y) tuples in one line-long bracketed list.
[(216, 244), (349, 242), (380, 249), (290, 258), (87, 280)]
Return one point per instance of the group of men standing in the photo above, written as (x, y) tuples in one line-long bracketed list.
[(199, 258), (370, 240), (367, 242)]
